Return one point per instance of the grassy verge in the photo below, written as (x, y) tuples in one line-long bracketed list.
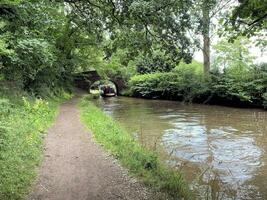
[(142, 163), (23, 120)]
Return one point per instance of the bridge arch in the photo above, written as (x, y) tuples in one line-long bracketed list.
[(85, 80)]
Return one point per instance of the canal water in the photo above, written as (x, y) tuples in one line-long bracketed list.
[(221, 151)]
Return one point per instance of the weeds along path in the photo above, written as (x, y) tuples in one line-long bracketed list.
[(76, 168)]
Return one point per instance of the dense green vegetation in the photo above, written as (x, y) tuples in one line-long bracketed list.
[(40, 48), (23, 121), (42, 43), (234, 80), (34, 72), (235, 86), (141, 163), (179, 84)]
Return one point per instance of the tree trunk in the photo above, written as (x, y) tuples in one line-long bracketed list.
[(206, 34), (206, 54)]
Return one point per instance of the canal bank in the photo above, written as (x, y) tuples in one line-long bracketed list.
[(142, 163)]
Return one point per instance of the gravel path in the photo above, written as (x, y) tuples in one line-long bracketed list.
[(76, 168)]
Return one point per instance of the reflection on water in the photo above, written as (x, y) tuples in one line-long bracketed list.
[(221, 151)]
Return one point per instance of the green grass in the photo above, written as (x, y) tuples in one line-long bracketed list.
[(141, 163), (22, 123)]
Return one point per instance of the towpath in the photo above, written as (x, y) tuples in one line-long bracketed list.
[(76, 168)]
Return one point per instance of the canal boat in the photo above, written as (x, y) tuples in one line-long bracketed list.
[(107, 91)]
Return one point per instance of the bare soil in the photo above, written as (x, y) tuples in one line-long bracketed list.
[(76, 168)]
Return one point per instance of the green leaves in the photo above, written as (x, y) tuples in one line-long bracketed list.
[(247, 86), (248, 18), (233, 56), (29, 45), (137, 25), (10, 2), (156, 61), (177, 85), (187, 83), (4, 46)]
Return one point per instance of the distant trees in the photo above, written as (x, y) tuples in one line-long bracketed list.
[(233, 55), (236, 18)]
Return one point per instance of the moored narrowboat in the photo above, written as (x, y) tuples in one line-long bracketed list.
[(107, 91)]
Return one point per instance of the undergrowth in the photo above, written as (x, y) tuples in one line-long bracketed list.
[(23, 121), (236, 86)]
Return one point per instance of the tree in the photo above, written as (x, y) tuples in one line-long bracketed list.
[(7, 9), (138, 24), (233, 56), (206, 9), (43, 44), (31, 41), (249, 17), (157, 61), (205, 17)]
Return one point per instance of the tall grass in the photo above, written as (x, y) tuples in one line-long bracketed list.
[(142, 163), (23, 121)]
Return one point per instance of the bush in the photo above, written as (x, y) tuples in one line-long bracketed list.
[(236, 86), (176, 85), (240, 86)]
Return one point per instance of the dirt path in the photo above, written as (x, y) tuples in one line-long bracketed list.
[(76, 168)]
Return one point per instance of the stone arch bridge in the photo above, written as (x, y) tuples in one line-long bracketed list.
[(85, 80)]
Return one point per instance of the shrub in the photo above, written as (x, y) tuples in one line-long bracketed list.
[(176, 85), (237, 85)]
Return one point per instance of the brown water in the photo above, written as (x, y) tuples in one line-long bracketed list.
[(222, 151)]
